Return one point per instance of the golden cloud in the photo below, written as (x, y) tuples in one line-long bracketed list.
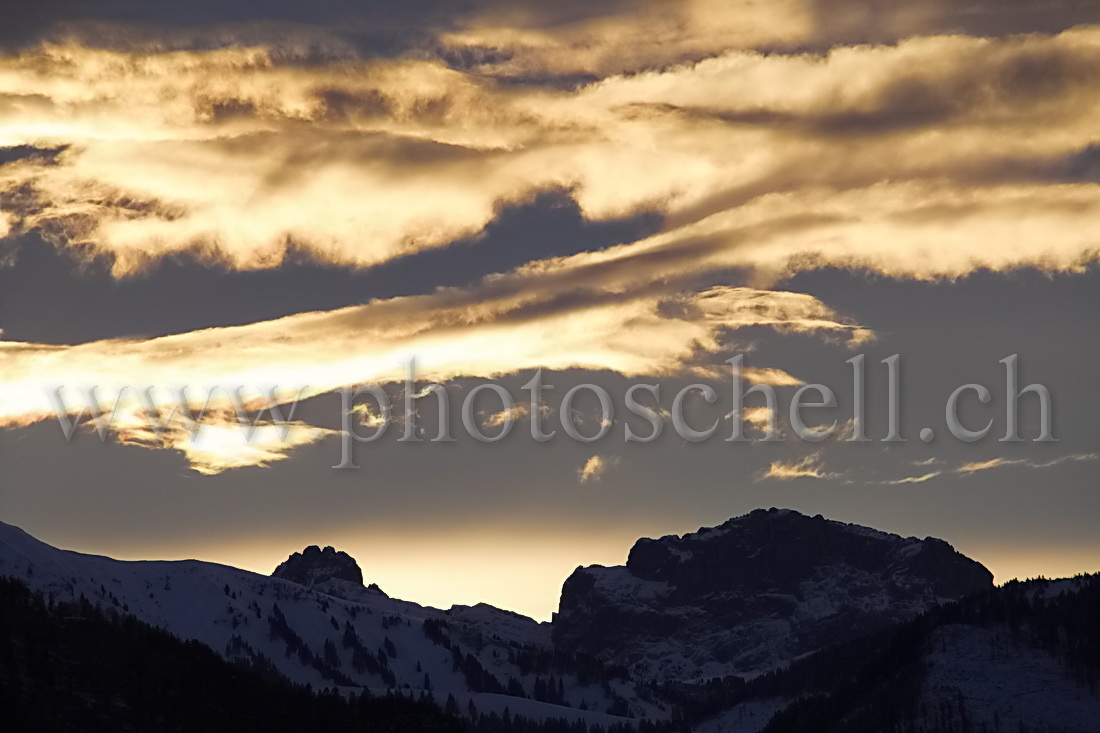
[(808, 467), (450, 334), (975, 466), (595, 467), (906, 159), (218, 442), (913, 479)]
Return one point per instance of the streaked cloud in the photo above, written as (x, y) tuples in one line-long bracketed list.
[(1063, 459), (808, 467), (483, 332), (913, 479), (975, 466)]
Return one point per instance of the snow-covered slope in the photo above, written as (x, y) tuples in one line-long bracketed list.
[(337, 633), (1022, 657), (1027, 669), (996, 683)]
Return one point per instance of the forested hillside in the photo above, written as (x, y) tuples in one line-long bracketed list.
[(75, 667)]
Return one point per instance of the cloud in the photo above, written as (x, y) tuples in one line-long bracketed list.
[(505, 416), (368, 417), (808, 467), (914, 479), (758, 417), (641, 35), (758, 420), (1063, 459), (975, 466), (595, 467), (219, 442), (628, 37)]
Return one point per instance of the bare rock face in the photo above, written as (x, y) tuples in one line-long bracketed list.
[(754, 593), (314, 566)]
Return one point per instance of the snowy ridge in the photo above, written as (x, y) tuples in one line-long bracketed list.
[(337, 633)]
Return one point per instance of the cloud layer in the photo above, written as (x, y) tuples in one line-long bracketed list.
[(907, 159), (770, 138)]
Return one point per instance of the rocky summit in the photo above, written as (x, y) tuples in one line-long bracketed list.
[(753, 593), (314, 566)]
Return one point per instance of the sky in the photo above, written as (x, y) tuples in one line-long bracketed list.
[(306, 197)]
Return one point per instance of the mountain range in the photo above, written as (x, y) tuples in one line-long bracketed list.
[(769, 621)]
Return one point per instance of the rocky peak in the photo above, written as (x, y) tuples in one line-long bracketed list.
[(755, 592), (775, 549), (314, 566)]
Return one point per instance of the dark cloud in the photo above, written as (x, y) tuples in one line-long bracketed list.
[(319, 29), (33, 153), (979, 84), (887, 21), (1083, 165)]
